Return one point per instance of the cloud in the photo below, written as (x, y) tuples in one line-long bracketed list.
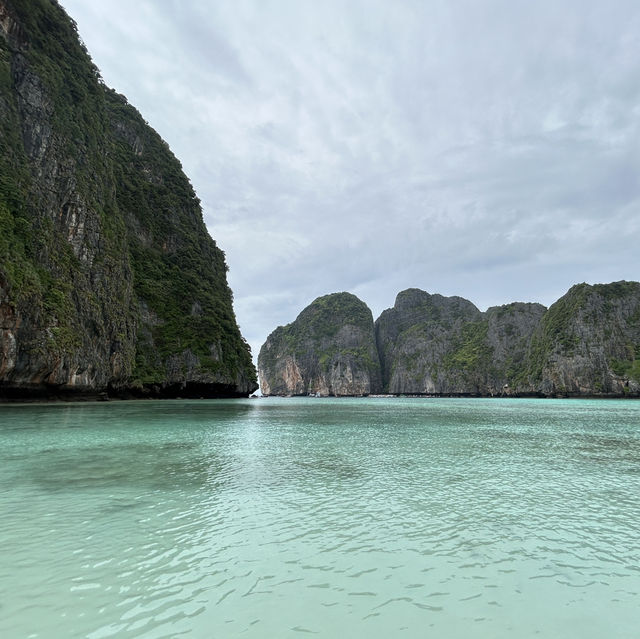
[(488, 150)]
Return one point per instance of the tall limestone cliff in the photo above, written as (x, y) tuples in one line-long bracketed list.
[(328, 350), (508, 338), (109, 280), (586, 344), (415, 337), (430, 344)]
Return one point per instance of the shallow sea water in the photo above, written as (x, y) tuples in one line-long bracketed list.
[(444, 518)]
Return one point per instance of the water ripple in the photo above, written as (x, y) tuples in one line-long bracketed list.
[(275, 518)]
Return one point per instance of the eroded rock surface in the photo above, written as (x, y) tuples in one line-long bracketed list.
[(328, 350), (103, 250), (587, 344)]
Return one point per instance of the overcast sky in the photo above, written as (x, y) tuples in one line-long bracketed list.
[(482, 148)]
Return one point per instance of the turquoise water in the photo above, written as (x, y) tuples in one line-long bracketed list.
[(344, 518)]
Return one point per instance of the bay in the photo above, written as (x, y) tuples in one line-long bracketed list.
[(366, 517)]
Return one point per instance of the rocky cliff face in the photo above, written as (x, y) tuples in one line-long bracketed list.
[(508, 337), (108, 278), (328, 350), (417, 336), (586, 344), (430, 344)]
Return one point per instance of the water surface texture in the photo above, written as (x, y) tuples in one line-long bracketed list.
[(344, 518)]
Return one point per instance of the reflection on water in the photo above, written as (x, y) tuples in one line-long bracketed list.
[(271, 518)]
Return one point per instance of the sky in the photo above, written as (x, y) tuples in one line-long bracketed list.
[(482, 148)]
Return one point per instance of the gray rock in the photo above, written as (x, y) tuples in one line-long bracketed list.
[(329, 350), (108, 277)]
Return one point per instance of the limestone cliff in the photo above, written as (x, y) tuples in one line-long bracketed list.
[(328, 350), (508, 337), (109, 280), (430, 344), (417, 336), (588, 343)]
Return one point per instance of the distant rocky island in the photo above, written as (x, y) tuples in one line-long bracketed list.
[(587, 344), (109, 281)]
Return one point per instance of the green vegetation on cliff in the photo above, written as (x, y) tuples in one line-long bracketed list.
[(329, 349), (586, 344), (471, 354), (179, 273), (589, 338), (44, 56), (108, 277), (429, 344), (556, 332)]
